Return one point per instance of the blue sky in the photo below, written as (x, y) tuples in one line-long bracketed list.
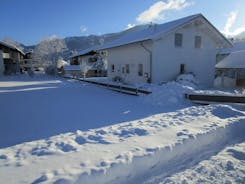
[(29, 21)]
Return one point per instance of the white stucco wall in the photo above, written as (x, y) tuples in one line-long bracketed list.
[(1, 63), (133, 54), (167, 58)]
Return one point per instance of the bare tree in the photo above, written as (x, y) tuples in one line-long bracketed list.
[(49, 50)]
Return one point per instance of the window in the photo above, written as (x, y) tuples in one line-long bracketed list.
[(178, 40), (112, 68), (182, 68), (198, 41), (140, 70), (127, 68)]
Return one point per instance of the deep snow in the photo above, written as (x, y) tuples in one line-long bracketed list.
[(89, 134), (41, 107)]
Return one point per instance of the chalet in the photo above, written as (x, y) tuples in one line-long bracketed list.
[(230, 67), (161, 52), (10, 57), (231, 70), (91, 62), (224, 52)]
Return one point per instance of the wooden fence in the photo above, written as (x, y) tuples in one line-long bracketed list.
[(115, 87), (206, 99)]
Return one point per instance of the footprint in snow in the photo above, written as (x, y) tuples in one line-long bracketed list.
[(181, 134), (97, 139), (65, 147), (103, 164), (185, 133), (132, 132), (3, 157), (101, 132), (237, 154), (80, 140), (42, 151), (43, 178)]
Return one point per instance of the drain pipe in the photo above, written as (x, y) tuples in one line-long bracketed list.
[(150, 54)]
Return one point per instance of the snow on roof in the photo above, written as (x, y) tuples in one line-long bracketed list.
[(72, 67), (234, 60), (152, 32), (237, 46), (11, 46), (84, 52)]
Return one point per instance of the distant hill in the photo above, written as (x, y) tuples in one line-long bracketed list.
[(84, 42), (77, 43)]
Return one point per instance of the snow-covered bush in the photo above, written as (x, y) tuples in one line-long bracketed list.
[(61, 63), (171, 94), (51, 70)]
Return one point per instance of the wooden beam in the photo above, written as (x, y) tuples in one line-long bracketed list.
[(206, 99)]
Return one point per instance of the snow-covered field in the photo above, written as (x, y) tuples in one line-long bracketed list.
[(62, 131)]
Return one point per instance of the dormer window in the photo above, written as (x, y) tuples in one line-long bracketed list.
[(178, 40)]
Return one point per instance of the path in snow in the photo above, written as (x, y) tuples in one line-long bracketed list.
[(228, 166)]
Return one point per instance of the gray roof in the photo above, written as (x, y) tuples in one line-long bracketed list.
[(84, 52), (11, 46), (234, 60), (149, 33), (237, 46), (154, 31)]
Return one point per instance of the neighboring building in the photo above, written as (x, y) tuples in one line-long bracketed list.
[(230, 67), (237, 46), (161, 52), (72, 70), (10, 58), (27, 62), (91, 62), (231, 70)]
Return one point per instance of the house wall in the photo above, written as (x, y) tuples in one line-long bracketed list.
[(167, 58), (132, 54)]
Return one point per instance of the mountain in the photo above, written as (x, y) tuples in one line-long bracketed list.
[(77, 43), (84, 42)]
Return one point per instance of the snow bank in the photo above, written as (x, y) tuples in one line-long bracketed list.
[(129, 152), (171, 94), (148, 146)]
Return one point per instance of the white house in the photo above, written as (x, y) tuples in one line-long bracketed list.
[(160, 53), (92, 62), (232, 70), (230, 67)]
